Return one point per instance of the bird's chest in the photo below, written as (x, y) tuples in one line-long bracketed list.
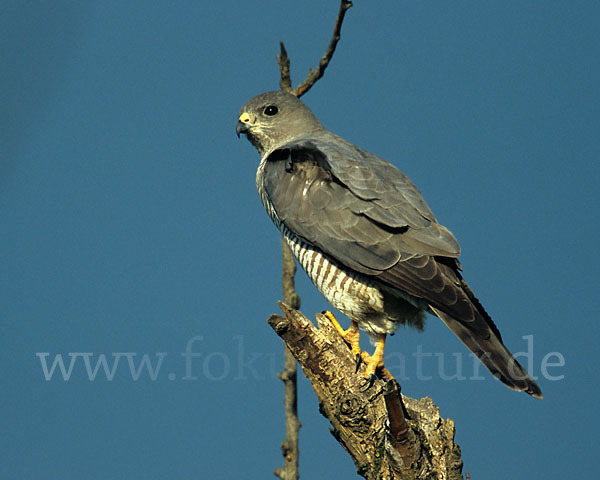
[(348, 291)]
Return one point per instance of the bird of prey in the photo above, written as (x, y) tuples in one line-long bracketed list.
[(365, 236)]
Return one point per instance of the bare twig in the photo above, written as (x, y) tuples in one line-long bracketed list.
[(289, 376), (290, 297), (283, 61), (289, 446), (313, 74)]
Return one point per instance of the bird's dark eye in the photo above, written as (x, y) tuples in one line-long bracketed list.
[(270, 110)]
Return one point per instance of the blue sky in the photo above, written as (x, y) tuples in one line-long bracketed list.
[(131, 226)]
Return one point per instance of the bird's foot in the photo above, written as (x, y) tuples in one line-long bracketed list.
[(375, 366), (350, 336), (375, 363)]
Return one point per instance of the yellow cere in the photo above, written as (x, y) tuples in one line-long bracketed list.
[(245, 118)]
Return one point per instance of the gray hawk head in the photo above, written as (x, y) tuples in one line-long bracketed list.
[(272, 118)]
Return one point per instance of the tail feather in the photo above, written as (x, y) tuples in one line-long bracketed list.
[(494, 355)]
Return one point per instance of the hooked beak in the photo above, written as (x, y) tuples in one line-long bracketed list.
[(242, 128), (244, 124)]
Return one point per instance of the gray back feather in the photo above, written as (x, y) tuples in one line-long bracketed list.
[(353, 205)]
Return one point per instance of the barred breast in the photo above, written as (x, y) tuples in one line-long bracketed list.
[(376, 309)]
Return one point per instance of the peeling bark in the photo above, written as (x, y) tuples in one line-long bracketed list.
[(388, 435)]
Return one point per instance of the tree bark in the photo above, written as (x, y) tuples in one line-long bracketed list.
[(388, 435)]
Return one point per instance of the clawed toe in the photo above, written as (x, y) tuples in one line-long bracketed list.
[(368, 383), (374, 363), (358, 362)]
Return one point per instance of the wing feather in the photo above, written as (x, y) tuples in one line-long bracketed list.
[(352, 205)]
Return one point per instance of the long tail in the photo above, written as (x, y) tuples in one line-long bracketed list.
[(494, 355)]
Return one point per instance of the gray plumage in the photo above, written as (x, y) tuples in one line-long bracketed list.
[(364, 234)]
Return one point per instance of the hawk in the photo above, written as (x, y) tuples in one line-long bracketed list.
[(365, 236)]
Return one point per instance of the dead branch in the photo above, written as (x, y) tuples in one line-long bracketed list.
[(314, 74), (285, 82), (388, 435), (289, 376)]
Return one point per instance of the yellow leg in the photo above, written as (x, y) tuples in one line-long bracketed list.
[(350, 336), (375, 362)]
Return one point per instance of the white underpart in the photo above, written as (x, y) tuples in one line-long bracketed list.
[(349, 292)]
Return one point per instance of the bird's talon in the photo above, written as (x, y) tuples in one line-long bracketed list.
[(368, 383), (358, 362)]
